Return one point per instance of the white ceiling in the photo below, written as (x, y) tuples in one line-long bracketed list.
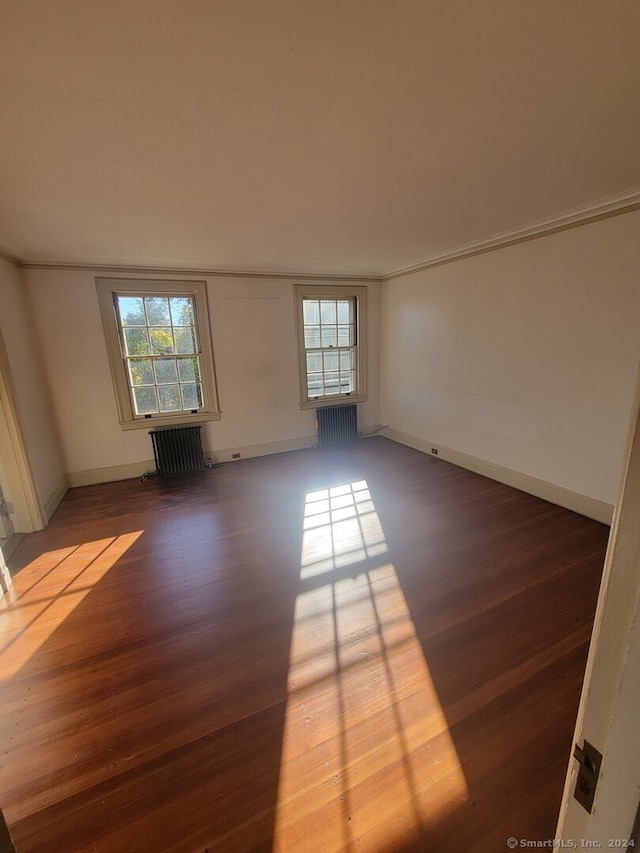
[(321, 136)]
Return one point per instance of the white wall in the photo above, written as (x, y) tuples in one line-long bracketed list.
[(525, 356), (27, 375), (255, 354)]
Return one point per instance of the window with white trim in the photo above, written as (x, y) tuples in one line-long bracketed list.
[(331, 343), (159, 346)]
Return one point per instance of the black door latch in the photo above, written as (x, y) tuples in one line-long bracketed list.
[(590, 761)]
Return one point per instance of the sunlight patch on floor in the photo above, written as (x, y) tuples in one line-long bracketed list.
[(367, 757), (47, 591)]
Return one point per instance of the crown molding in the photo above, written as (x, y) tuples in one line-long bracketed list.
[(614, 205), (188, 271), (9, 258)]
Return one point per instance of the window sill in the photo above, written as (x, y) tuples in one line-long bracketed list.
[(172, 420), (323, 402)]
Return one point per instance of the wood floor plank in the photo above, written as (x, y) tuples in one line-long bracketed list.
[(360, 650)]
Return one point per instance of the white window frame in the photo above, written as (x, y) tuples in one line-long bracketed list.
[(108, 289), (322, 291)]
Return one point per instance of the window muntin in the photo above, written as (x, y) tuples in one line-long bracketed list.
[(160, 348)]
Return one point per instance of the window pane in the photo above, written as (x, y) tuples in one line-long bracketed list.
[(136, 341), (131, 311), (146, 402), (329, 336), (192, 396), (311, 311), (347, 378), (166, 370), (330, 360), (169, 397), (347, 382), (332, 383), (157, 311), (141, 371), (314, 385), (312, 337), (328, 311), (314, 362), (345, 311), (344, 336), (346, 359), (347, 371), (185, 340), (182, 311), (161, 341), (188, 370)]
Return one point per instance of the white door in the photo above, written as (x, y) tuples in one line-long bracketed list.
[(608, 717)]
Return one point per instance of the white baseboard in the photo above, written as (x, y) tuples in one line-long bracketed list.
[(94, 476), (51, 505), (267, 448), (591, 507)]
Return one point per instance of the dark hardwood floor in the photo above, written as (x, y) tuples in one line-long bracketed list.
[(365, 650)]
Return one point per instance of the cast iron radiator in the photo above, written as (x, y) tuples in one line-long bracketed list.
[(337, 425), (177, 449)]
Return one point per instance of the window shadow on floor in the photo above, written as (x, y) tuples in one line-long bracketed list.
[(363, 650)]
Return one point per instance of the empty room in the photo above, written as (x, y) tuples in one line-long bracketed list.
[(319, 444)]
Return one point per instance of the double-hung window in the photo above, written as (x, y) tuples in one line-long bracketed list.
[(159, 347), (331, 343)]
